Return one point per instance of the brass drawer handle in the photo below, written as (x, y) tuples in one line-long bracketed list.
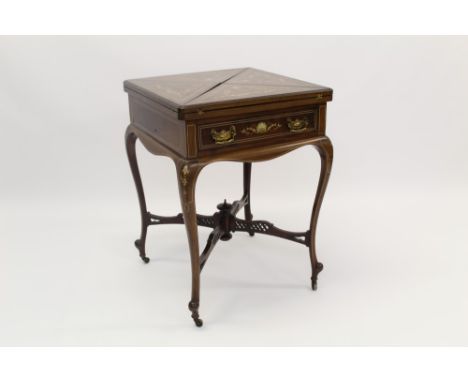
[(260, 128), (297, 125), (223, 136)]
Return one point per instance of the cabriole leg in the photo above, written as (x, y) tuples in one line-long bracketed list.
[(130, 139), (325, 149), (187, 175)]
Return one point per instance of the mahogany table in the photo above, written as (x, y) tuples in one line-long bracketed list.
[(243, 115)]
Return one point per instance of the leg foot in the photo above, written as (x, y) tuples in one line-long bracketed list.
[(142, 251), (193, 306), (317, 269)]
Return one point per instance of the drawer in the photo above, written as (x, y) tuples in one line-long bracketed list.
[(238, 132)]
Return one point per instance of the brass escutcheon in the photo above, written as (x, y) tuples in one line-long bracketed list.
[(260, 128), (223, 136)]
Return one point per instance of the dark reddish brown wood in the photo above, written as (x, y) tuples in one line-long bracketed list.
[(247, 208), (199, 93), (325, 149), (130, 139), (244, 115)]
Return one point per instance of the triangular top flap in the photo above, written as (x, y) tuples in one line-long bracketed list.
[(179, 89)]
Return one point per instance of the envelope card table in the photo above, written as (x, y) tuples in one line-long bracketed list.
[(243, 115)]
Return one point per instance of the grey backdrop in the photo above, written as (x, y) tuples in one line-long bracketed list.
[(392, 233)]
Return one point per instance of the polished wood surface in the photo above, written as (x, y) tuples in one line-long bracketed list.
[(244, 115), (195, 94)]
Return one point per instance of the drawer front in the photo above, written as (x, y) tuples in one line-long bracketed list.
[(233, 133)]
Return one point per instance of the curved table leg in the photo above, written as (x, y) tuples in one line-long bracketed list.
[(130, 139), (247, 209), (187, 174), (325, 149)]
